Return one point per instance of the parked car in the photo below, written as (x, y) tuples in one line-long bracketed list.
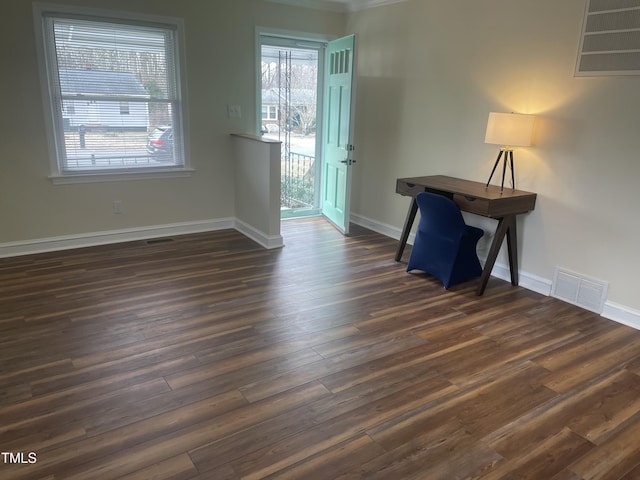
[(160, 141)]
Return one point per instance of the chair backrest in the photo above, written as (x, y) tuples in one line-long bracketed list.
[(441, 214)]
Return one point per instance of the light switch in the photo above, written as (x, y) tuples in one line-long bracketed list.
[(234, 111)]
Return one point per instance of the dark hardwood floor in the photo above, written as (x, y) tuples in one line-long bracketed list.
[(207, 357)]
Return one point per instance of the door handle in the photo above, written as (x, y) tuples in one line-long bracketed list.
[(349, 161)]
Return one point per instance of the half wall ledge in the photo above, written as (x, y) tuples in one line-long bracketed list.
[(257, 187)]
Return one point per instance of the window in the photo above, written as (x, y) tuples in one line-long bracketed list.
[(124, 108), (269, 112), (111, 82)]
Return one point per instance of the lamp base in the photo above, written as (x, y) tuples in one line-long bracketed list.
[(508, 158)]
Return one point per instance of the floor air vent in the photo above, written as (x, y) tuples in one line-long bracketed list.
[(579, 290), (159, 240)]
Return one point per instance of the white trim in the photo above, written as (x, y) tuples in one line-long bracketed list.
[(315, 4), (357, 5), (621, 314), (337, 6), (299, 35), (383, 228), (66, 242), (526, 280), (121, 176), (81, 240), (313, 41), (181, 117), (303, 40), (41, 7), (267, 241), (38, 11), (612, 311), (501, 271)]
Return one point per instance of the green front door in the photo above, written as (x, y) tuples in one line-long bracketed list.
[(337, 151)]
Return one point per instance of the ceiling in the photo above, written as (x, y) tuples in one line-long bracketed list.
[(337, 5)]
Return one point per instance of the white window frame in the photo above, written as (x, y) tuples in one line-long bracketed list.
[(125, 109), (272, 112), (53, 113)]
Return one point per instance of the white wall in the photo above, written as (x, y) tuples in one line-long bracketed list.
[(430, 71), (257, 179)]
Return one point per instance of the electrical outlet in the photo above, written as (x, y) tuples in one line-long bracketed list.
[(117, 206), (234, 111)]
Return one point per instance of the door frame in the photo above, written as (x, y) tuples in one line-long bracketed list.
[(287, 41), (301, 37), (305, 39)]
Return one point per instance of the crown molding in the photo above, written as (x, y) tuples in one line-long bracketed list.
[(343, 6)]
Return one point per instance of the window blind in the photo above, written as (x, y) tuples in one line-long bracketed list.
[(114, 92)]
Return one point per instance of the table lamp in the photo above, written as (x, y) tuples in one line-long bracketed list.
[(509, 130)]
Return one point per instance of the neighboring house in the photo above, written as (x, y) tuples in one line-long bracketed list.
[(112, 114), (301, 105)]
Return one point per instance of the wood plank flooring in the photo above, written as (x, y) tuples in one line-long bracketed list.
[(208, 357)]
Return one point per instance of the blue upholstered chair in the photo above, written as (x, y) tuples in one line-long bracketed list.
[(445, 246)]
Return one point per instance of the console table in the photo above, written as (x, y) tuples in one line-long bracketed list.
[(477, 198)]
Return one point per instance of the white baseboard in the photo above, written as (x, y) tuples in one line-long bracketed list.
[(526, 280), (612, 311), (621, 314), (383, 228), (66, 242), (267, 241)]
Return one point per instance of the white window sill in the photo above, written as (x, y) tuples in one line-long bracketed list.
[(119, 176)]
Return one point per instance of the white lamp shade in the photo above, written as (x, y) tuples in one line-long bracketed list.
[(509, 129)]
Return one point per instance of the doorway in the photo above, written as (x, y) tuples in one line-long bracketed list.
[(290, 97)]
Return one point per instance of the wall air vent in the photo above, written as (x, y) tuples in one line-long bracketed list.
[(579, 290), (610, 43)]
